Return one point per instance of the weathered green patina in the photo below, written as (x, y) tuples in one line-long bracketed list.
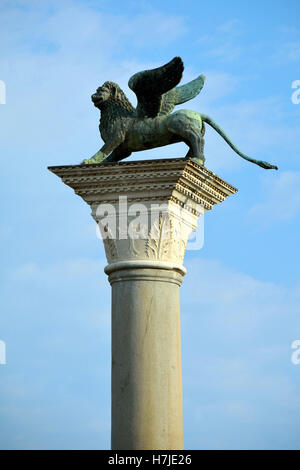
[(126, 129)]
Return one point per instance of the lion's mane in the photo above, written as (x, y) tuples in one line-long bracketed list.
[(117, 106)]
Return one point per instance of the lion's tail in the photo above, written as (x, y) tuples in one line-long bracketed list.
[(220, 131)]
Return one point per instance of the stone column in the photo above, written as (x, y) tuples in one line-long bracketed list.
[(146, 356), (146, 211)]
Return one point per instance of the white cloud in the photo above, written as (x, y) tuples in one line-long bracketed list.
[(237, 367), (287, 29), (226, 52), (282, 199), (287, 52), (217, 85), (74, 269), (223, 44), (234, 298), (232, 27)]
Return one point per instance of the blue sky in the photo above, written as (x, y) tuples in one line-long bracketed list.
[(240, 299)]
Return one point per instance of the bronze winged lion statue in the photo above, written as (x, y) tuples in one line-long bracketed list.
[(125, 129)]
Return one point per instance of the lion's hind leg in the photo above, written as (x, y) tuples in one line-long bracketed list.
[(188, 125)]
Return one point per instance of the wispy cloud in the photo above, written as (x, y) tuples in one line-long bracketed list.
[(288, 52), (223, 45), (64, 270), (237, 332), (226, 52), (281, 199)]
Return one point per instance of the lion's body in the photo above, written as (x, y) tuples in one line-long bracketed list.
[(145, 134), (148, 133), (124, 130)]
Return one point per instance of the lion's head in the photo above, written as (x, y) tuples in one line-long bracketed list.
[(111, 92)]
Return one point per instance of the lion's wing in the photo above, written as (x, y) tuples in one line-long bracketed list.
[(181, 94), (150, 85)]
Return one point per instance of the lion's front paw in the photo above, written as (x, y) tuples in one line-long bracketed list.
[(97, 158), (89, 161)]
